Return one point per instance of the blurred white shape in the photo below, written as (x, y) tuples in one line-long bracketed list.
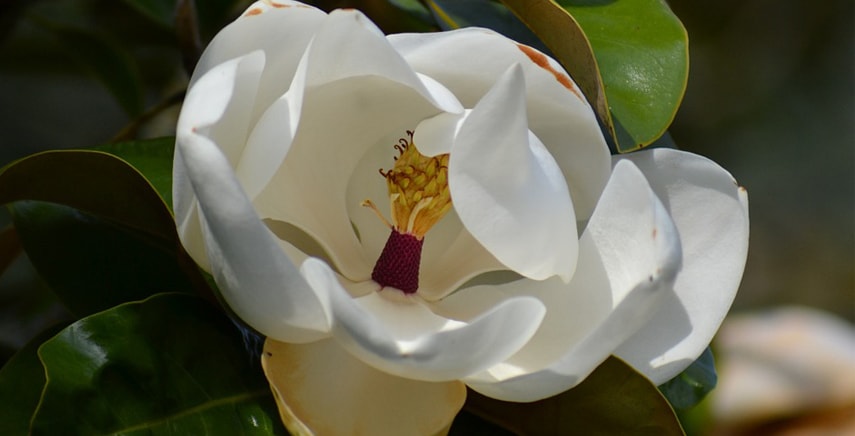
[(782, 363)]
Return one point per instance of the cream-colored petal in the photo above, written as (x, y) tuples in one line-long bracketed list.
[(629, 256), (711, 214), (322, 389), (469, 61)]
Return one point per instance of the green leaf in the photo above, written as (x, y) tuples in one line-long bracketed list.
[(643, 52), (454, 14), (152, 158), (161, 11), (118, 244), (614, 399), (108, 61), (172, 364), (691, 386), (10, 247), (21, 382), (93, 264), (92, 181), (637, 77)]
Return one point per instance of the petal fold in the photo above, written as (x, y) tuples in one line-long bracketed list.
[(469, 61), (216, 106), (629, 257), (356, 94), (711, 213), (402, 336), (507, 189), (256, 277)]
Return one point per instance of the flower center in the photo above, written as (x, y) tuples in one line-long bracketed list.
[(419, 198)]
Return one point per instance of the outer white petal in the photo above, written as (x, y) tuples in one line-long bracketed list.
[(357, 94), (256, 277), (323, 388), (282, 31), (469, 61), (711, 213), (507, 189), (216, 105), (401, 336), (629, 256)]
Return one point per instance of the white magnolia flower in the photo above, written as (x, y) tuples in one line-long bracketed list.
[(522, 254)]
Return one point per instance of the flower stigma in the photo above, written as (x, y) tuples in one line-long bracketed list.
[(418, 198)]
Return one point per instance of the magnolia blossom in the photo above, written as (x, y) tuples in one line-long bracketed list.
[(406, 215)]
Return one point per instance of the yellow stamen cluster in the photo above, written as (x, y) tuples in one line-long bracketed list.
[(418, 189)]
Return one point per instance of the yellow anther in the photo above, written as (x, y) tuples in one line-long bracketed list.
[(418, 189)]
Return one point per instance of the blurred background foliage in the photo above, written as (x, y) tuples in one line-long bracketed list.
[(770, 97)]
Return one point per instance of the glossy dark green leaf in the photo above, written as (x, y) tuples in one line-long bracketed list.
[(107, 60), (691, 386), (172, 364), (93, 264), (152, 158), (22, 379), (92, 181), (614, 399), (114, 242)]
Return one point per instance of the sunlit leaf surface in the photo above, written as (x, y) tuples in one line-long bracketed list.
[(172, 364)]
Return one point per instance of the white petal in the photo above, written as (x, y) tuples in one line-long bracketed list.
[(216, 106), (469, 61), (711, 214), (435, 135), (401, 336), (629, 256), (323, 388), (508, 190), (358, 95), (282, 33), (256, 278)]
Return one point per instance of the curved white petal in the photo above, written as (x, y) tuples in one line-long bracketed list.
[(282, 32), (436, 135), (216, 106), (401, 336), (507, 189), (357, 94), (469, 61), (629, 256), (322, 388), (711, 214), (256, 277)]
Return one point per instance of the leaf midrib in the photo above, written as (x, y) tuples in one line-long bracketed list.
[(195, 410)]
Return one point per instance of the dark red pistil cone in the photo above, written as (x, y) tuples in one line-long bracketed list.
[(398, 265)]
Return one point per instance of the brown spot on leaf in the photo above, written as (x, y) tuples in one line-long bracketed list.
[(251, 12), (655, 231), (541, 61)]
